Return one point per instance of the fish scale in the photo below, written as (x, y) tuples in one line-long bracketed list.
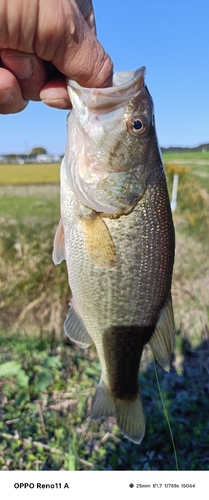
[(119, 262)]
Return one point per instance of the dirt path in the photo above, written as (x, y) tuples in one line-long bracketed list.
[(45, 190)]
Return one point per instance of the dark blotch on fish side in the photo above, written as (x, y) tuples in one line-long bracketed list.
[(123, 346)]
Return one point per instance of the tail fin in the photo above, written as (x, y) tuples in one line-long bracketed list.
[(128, 413), (130, 419), (103, 403)]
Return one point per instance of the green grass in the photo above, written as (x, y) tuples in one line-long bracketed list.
[(197, 164), (45, 399), (47, 384), (193, 191), (188, 156), (33, 290)]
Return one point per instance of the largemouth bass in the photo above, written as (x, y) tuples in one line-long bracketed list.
[(116, 234)]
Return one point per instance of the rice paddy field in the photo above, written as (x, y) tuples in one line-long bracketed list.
[(29, 173), (47, 383)]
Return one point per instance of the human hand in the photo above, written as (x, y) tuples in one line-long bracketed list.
[(41, 43)]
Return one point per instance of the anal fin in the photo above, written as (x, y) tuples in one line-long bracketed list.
[(75, 329), (162, 340)]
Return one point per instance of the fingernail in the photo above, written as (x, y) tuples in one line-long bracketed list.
[(57, 103)]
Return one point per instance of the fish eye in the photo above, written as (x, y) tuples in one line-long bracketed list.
[(137, 125)]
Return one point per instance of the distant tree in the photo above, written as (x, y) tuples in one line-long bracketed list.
[(11, 157), (38, 151)]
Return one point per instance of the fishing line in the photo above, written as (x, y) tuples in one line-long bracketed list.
[(166, 415)]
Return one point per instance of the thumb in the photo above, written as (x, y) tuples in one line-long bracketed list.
[(84, 59), (74, 49)]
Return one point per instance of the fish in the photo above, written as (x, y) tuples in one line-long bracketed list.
[(117, 236)]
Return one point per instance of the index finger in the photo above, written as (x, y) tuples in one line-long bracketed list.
[(11, 99), (29, 70)]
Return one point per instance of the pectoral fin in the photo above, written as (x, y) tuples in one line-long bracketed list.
[(98, 241), (162, 340), (76, 330), (58, 254)]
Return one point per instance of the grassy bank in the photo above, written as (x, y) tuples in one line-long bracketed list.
[(46, 392)]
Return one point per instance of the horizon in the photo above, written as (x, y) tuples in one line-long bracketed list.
[(201, 145)]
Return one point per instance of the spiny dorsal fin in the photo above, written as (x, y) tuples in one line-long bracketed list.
[(58, 254), (75, 329), (98, 241), (162, 340)]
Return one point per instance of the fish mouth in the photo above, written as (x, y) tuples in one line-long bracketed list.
[(126, 85)]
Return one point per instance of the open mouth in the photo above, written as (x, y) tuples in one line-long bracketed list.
[(125, 86)]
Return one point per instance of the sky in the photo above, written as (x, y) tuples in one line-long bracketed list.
[(170, 38)]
